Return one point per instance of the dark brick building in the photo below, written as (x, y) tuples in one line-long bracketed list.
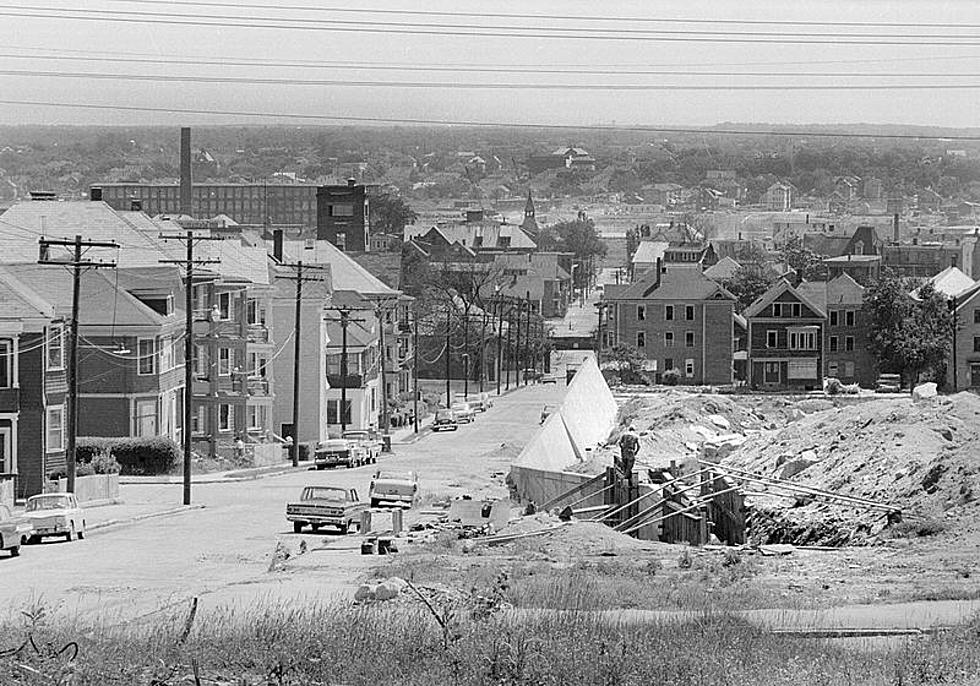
[(343, 216)]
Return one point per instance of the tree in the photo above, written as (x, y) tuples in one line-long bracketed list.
[(747, 285), (580, 238), (908, 336), (628, 362), (808, 264), (390, 213)]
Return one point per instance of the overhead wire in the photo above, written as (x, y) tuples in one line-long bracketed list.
[(483, 31)]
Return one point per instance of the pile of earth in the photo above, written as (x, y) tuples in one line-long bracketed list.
[(676, 424), (918, 457), (571, 539)]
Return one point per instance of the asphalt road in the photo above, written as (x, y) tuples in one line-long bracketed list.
[(222, 553)]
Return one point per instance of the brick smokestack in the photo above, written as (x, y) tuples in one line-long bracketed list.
[(185, 171)]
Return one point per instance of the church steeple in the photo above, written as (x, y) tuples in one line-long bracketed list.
[(529, 207)]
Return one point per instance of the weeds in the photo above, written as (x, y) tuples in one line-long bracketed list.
[(912, 528)]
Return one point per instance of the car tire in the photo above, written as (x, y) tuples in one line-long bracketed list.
[(15, 551), (344, 528), (297, 527), (315, 528), (81, 533), (70, 536), (375, 502), (33, 540)]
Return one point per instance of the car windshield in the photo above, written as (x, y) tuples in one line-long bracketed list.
[(355, 434), (324, 493), (396, 476), (444, 414), (48, 502), (461, 407)]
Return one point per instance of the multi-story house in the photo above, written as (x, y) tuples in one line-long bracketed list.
[(343, 216), (785, 340), (32, 387), (678, 319), (358, 394), (964, 369), (846, 331)]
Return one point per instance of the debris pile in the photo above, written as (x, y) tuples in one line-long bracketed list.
[(918, 456)]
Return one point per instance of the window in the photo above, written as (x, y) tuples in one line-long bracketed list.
[(689, 313), (832, 369), (641, 313), (803, 339), (224, 305), (802, 369), (224, 417), (771, 372), (333, 416), (342, 241), (54, 430), (224, 361), (254, 313), (6, 364), (641, 339), (833, 317), (197, 420), (772, 339), (342, 210), (689, 339), (56, 348), (849, 318), (668, 339), (976, 344), (849, 343), (258, 417), (848, 370), (976, 316), (257, 365), (797, 309), (146, 356), (669, 312), (777, 310), (146, 418), (688, 368), (200, 363), (833, 344), (668, 364), (167, 350)]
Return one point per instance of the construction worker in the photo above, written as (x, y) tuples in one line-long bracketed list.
[(629, 446)]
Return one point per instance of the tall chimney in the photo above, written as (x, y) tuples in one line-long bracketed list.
[(277, 245), (185, 171), (895, 235)]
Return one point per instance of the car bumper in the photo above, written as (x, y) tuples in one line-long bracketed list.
[(316, 519)]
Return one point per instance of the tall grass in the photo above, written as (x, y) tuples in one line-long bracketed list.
[(401, 643)]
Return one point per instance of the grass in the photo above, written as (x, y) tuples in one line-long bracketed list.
[(400, 643)]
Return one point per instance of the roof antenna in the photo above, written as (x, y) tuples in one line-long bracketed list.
[(120, 348)]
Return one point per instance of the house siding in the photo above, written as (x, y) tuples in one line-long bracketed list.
[(859, 360), (966, 359), (39, 389), (760, 354)]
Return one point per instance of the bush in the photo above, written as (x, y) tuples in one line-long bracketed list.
[(833, 386), (129, 456), (671, 377)]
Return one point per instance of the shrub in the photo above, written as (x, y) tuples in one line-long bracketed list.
[(129, 456), (833, 386), (671, 377)]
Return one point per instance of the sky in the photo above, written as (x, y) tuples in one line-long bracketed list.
[(40, 46)]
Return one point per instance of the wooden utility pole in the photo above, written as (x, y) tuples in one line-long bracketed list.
[(466, 352), (483, 350), (189, 263), (77, 264), (415, 368), (379, 311), (527, 337), (299, 278), (498, 310), (510, 346), (345, 321), (449, 395)]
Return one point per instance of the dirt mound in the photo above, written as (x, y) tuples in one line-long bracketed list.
[(919, 457), (573, 539)]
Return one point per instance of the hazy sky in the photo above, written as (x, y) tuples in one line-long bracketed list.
[(61, 37)]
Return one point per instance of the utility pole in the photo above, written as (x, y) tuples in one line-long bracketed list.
[(527, 337), (449, 396), (77, 264), (385, 416), (498, 310), (466, 352), (345, 320), (510, 347), (483, 350), (189, 263), (299, 278), (415, 369)]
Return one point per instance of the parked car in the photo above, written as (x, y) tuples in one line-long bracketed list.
[(487, 400), (394, 488), (369, 440), (445, 419), (464, 413), (14, 531), (320, 506), (55, 514), (334, 452), (549, 378), (532, 375)]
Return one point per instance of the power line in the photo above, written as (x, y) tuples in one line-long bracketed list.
[(348, 65), (278, 81), (619, 66), (483, 31), (560, 17), (421, 121)]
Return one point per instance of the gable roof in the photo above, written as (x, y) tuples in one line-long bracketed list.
[(777, 289), (489, 232), (841, 290), (18, 302), (684, 283), (725, 268), (648, 252), (951, 282), (345, 273)]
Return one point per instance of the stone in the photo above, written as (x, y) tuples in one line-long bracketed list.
[(720, 422), (398, 582), (364, 592), (926, 391), (387, 590)]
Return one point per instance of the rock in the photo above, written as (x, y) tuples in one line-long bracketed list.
[(812, 405), (387, 590), (720, 422), (946, 433), (926, 391), (398, 582), (364, 592), (791, 469)]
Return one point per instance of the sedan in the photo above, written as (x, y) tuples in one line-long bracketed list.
[(55, 514), (464, 413), (14, 531)]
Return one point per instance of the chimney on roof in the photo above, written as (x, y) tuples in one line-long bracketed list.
[(895, 234), (95, 193), (277, 245), (185, 171)]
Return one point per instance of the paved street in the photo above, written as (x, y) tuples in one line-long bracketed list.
[(222, 552)]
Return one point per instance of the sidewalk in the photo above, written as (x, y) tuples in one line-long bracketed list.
[(123, 512)]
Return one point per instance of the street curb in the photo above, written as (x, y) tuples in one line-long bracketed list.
[(210, 479), (139, 518)]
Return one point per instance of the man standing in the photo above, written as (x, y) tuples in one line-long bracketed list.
[(629, 446)]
